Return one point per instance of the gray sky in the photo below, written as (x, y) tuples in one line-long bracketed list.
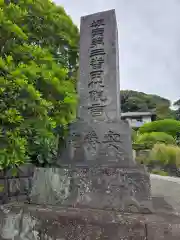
[(149, 40)]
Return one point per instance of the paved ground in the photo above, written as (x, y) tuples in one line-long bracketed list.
[(165, 193)]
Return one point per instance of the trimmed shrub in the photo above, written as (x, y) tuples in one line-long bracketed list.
[(165, 155), (149, 139), (140, 146), (169, 126)]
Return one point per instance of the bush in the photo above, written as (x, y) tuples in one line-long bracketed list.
[(38, 68), (142, 159), (133, 135), (169, 126), (149, 139), (165, 155), (140, 146), (159, 172)]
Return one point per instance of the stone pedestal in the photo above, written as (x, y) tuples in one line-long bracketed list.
[(25, 222), (97, 163), (31, 222), (122, 189)]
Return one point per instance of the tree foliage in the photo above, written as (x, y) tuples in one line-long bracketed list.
[(163, 111), (165, 155), (159, 172), (38, 65), (177, 111), (133, 101), (169, 126), (150, 139)]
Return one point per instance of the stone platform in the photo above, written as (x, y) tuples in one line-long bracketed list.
[(121, 189), (33, 222)]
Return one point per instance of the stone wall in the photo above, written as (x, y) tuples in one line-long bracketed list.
[(52, 186), (15, 184), (31, 222), (23, 221)]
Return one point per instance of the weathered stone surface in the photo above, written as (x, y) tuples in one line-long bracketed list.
[(50, 186), (99, 136), (99, 139), (99, 67), (30, 222), (63, 186), (123, 189), (99, 143)]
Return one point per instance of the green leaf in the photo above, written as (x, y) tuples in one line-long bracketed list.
[(39, 46)]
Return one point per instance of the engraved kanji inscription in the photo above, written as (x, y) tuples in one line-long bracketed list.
[(96, 109), (97, 23), (96, 74), (112, 137), (97, 52), (95, 83), (91, 137), (76, 151), (97, 40), (97, 32), (96, 79), (91, 144), (75, 140), (96, 95), (97, 62), (112, 141)]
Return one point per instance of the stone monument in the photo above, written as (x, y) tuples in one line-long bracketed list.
[(97, 166), (98, 137), (97, 172)]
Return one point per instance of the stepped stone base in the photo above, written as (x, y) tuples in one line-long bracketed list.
[(31, 222), (122, 189)]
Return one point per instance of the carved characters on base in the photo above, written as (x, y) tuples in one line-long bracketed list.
[(111, 146), (75, 147), (91, 145)]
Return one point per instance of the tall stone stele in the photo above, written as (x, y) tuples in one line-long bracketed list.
[(98, 165), (99, 137)]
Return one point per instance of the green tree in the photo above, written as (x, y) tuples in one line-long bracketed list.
[(133, 101), (163, 111), (177, 111), (38, 66), (169, 126)]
